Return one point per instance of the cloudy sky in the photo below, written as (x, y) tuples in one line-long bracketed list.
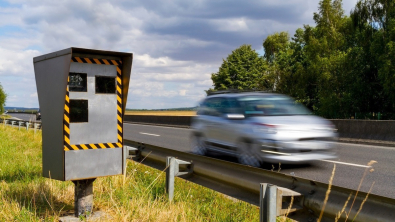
[(177, 44)]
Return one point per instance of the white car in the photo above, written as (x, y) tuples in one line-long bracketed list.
[(261, 127)]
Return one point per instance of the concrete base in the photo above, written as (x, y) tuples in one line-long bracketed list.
[(96, 216)]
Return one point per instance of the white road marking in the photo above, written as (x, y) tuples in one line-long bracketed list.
[(149, 134), (176, 128), (350, 164)]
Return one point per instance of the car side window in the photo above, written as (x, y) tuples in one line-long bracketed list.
[(233, 107), (213, 107)]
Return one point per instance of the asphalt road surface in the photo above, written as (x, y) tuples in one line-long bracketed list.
[(24, 116), (350, 166)]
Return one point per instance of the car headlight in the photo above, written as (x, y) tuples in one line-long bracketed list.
[(264, 128)]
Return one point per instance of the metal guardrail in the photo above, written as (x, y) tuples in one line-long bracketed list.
[(21, 123), (244, 183)]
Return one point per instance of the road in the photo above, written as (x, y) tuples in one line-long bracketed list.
[(350, 166)]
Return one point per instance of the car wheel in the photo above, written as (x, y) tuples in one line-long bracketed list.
[(198, 145), (246, 154)]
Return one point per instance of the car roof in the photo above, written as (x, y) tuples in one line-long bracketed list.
[(240, 94)]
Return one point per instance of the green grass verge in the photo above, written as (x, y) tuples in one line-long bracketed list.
[(137, 196), (5, 116)]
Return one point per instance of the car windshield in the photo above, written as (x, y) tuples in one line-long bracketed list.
[(271, 106)]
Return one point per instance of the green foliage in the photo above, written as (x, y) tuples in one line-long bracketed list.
[(342, 66), (275, 44), (3, 97), (242, 69)]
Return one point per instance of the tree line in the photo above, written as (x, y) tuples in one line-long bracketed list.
[(342, 66), (3, 97)]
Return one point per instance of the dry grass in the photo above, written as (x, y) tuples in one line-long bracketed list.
[(162, 113), (371, 163), (328, 191), (139, 195)]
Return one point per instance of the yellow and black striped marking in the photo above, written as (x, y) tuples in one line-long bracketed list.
[(66, 121)]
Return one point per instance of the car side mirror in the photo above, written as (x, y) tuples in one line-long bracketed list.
[(234, 116)]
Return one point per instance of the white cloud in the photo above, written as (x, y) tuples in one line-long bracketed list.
[(182, 92), (177, 44)]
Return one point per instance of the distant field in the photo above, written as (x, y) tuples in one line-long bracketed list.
[(162, 113)]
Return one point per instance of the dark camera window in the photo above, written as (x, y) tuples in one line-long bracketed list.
[(105, 84), (77, 82), (78, 111)]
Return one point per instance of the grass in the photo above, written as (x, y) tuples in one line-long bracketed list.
[(137, 196), (162, 113), (2, 116)]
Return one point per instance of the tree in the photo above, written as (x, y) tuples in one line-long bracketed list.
[(3, 98), (274, 44), (243, 69)]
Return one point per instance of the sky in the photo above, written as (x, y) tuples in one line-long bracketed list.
[(176, 44)]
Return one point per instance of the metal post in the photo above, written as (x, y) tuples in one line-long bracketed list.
[(35, 126), (170, 163), (12, 123), (19, 125), (83, 197), (27, 125), (268, 203), (172, 171)]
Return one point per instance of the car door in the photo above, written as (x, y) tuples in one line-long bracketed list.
[(218, 121), (228, 129), (213, 114)]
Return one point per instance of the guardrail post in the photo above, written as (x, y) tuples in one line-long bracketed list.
[(12, 123), (27, 125), (19, 125), (172, 171), (268, 203), (35, 127)]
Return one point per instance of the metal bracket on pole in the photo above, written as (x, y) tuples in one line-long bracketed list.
[(173, 170), (27, 125), (83, 197), (12, 123), (132, 152), (274, 201), (19, 125)]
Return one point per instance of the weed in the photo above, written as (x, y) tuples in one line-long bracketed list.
[(328, 191)]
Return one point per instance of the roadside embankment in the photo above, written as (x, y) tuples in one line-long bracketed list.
[(139, 195)]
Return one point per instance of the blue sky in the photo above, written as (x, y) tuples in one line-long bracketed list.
[(177, 44)]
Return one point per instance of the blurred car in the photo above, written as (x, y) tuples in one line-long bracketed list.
[(38, 115), (261, 127)]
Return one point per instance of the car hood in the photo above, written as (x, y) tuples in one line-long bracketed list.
[(297, 122)]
